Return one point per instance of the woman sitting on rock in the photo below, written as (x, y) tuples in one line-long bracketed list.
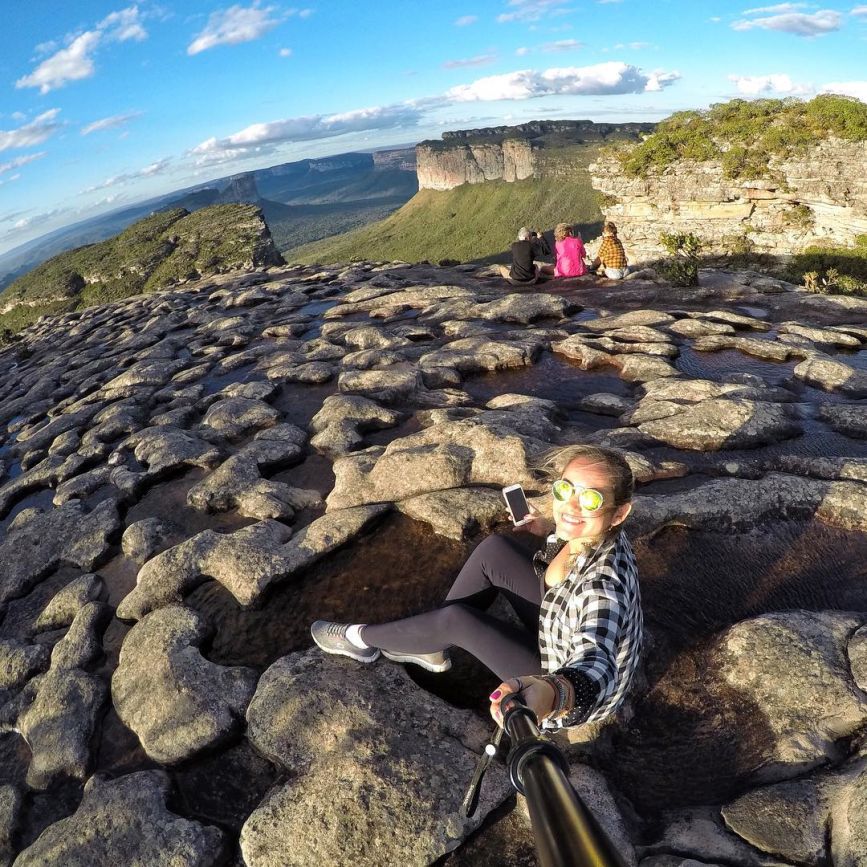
[(575, 655), (570, 253)]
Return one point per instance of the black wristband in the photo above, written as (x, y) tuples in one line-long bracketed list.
[(586, 695)]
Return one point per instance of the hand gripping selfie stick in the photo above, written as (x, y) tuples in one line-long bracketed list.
[(566, 833)]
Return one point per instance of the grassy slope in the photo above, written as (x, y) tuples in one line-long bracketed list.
[(473, 221)]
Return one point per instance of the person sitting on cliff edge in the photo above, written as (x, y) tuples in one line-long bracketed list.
[(611, 258), (574, 656), (570, 253), (525, 270)]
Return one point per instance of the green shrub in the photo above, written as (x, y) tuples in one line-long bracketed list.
[(682, 268), (746, 134), (799, 217)]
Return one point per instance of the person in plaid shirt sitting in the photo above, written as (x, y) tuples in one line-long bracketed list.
[(575, 655), (611, 258)]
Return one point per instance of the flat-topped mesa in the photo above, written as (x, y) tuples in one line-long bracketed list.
[(512, 153), (775, 186)]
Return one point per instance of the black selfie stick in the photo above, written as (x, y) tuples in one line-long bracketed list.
[(566, 833)]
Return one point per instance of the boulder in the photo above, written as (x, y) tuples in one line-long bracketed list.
[(237, 417), (125, 821), (60, 723), (403, 759), (37, 542), (148, 537), (10, 810), (766, 349), (814, 820), (163, 450), (81, 645), (175, 700), (393, 384), (647, 318), (700, 835), (343, 419), (64, 606), (831, 375), (723, 424), (245, 562), (457, 513), (478, 354), (848, 419), (20, 661), (744, 504)]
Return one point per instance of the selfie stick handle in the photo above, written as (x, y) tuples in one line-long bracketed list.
[(566, 833)]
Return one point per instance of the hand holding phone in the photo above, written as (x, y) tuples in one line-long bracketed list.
[(516, 503)]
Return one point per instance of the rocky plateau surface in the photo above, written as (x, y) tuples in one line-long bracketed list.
[(188, 479)]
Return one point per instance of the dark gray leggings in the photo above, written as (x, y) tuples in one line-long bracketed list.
[(498, 565)]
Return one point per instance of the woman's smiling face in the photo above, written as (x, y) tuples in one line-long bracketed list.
[(574, 524)]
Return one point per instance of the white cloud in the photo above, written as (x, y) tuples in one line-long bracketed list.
[(285, 52), (523, 50), (19, 161), (264, 137), (112, 122), (37, 131), (24, 222), (778, 83), (533, 10), (123, 25), (466, 20), (602, 78), (777, 9), (799, 23), (633, 46), (478, 60), (155, 168), (562, 45), (858, 10), (235, 25), (858, 89), (73, 63)]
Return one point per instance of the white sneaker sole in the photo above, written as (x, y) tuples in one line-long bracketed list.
[(414, 660)]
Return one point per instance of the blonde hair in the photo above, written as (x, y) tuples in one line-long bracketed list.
[(553, 463), (561, 231)]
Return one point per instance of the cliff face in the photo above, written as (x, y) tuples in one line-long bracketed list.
[(444, 168), (513, 153), (241, 189), (402, 159), (820, 196)]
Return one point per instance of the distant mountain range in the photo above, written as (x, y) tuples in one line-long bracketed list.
[(302, 201)]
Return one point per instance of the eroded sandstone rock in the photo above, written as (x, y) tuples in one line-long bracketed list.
[(387, 742), (125, 821), (175, 700)]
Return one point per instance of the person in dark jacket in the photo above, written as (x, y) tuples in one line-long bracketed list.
[(525, 270)]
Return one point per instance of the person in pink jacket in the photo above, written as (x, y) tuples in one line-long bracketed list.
[(570, 253)]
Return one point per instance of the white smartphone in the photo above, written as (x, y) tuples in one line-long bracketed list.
[(516, 503)]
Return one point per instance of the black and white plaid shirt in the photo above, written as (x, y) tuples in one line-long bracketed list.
[(590, 629)]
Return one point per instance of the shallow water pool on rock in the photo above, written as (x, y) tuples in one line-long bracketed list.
[(552, 377)]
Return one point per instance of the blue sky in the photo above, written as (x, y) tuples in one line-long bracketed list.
[(103, 104)]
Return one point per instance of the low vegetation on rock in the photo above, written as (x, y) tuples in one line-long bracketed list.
[(746, 134), (832, 270), (155, 253)]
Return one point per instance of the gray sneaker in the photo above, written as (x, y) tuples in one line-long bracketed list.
[(331, 637), (436, 662)]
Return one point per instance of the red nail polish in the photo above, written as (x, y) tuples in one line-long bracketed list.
[(495, 695)]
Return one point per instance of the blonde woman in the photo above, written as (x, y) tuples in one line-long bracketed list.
[(575, 655), (570, 253)]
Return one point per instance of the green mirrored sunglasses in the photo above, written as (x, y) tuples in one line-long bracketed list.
[(589, 499)]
